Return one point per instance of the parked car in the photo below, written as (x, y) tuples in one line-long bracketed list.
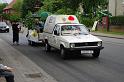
[(4, 27)]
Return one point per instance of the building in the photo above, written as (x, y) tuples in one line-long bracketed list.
[(8, 9), (116, 7)]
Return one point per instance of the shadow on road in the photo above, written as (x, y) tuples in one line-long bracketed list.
[(55, 54)]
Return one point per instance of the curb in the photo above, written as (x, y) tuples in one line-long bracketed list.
[(109, 36)]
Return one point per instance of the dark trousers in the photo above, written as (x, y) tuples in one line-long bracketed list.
[(15, 37), (8, 76)]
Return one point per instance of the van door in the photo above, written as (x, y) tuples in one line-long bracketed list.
[(55, 35)]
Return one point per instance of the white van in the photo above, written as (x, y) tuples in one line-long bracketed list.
[(64, 32)]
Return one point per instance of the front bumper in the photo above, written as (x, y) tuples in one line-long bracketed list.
[(4, 30), (85, 48)]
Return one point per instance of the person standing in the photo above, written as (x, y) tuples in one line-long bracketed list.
[(16, 30), (6, 72), (37, 25)]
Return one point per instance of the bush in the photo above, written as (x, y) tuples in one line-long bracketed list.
[(117, 20)]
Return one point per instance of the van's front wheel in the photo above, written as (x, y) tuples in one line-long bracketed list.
[(96, 53), (63, 53)]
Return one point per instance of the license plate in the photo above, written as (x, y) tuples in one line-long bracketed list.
[(86, 51), (3, 29)]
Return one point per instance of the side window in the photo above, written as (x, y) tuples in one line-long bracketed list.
[(56, 30)]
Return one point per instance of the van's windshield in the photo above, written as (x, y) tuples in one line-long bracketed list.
[(74, 30)]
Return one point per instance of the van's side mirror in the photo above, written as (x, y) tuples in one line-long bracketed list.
[(55, 32)]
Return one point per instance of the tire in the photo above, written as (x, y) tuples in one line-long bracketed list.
[(33, 43), (7, 30), (63, 53), (96, 53), (47, 47), (29, 42)]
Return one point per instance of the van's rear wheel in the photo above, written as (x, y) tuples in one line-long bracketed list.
[(96, 53), (47, 47), (29, 42)]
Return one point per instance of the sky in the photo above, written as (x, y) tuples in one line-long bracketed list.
[(8, 1)]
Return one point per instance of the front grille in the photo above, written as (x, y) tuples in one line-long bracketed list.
[(86, 44), (3, 27)]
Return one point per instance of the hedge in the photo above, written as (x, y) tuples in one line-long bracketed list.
[(117, 20)]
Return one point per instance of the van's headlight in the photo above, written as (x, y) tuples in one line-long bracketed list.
[(72, 45), (7, 26), (99, 44)]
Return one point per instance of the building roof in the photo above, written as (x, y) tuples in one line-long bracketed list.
[(9, 6)]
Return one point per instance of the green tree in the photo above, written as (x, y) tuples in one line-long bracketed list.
[(61, 6), (52, 5), (92, 6), (17, 6), (16, 15), (5, 16), (2, 6), (30, 5), (71, 6), (29, 21)]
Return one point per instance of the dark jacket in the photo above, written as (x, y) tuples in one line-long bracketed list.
[(15, 28)]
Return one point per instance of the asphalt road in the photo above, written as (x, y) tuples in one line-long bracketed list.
[(109, 67)]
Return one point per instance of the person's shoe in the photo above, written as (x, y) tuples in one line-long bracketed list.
[(17, 43), (13, 43)]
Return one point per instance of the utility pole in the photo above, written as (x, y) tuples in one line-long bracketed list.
[(115, 7)]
